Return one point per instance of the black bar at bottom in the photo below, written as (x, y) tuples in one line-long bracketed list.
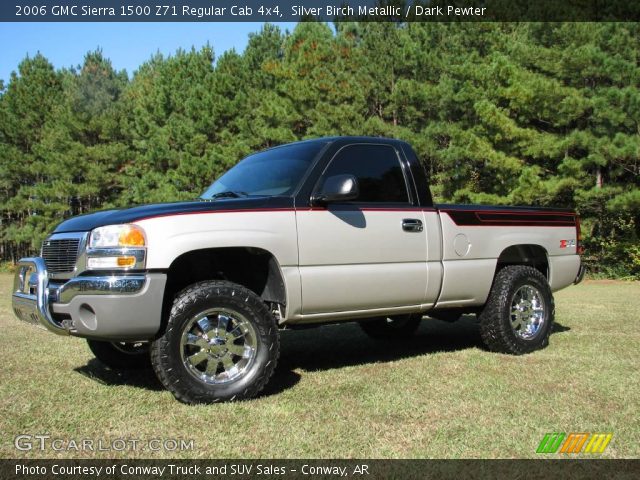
[(316, 469)]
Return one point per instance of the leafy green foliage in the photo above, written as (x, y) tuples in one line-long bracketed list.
[(538, 114)]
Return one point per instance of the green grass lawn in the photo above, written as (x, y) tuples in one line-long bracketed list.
[(337, 394)]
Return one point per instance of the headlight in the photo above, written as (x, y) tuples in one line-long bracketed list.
[(116, 247), (117, 236)]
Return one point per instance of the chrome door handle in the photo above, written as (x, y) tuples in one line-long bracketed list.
[(412, 225)]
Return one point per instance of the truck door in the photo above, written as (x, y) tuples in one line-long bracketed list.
[(368, 253)]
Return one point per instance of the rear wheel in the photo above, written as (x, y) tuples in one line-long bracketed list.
[(221, 343), (391, 328), (121, 355), (519, 314)]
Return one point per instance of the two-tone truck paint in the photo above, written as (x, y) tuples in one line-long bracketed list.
[(320, 231)]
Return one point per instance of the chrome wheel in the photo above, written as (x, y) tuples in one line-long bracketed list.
[(527, 312), (218, 346)]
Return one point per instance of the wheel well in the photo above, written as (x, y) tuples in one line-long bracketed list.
[(533, 255), (254, 268)]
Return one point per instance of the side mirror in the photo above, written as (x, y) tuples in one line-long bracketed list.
[(339, 188)]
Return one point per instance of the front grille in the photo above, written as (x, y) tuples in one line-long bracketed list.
[(60, 255)]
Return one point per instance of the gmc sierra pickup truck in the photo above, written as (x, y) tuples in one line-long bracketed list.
[(319, 231)]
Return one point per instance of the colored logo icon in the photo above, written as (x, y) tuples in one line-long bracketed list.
[(574, 443)]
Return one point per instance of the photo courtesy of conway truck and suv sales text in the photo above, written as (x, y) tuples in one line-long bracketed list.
[(319, 231)]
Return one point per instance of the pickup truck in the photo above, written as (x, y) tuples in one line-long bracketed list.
[(313, 232)]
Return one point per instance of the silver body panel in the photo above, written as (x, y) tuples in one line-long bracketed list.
[(360, 259), (468, 278), (348, 264)]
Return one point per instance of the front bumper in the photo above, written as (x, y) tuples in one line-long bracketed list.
[(109, 307)]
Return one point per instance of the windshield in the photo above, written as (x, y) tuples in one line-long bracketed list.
[(277, 171)]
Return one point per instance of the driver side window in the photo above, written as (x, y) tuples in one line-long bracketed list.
[(377, 169)]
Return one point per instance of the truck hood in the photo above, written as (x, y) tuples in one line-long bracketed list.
[(84, 223)]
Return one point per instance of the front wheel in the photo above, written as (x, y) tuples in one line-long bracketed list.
[(391, 328), (221, 343), (121, 355), (519, 314)]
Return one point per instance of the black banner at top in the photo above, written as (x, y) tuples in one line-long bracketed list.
[(319, 10)]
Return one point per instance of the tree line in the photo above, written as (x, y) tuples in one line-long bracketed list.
[(535, 114)]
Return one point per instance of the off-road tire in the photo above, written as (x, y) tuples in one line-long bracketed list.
[(495, 319), (391, 328), (174, 374), (115, 355)]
